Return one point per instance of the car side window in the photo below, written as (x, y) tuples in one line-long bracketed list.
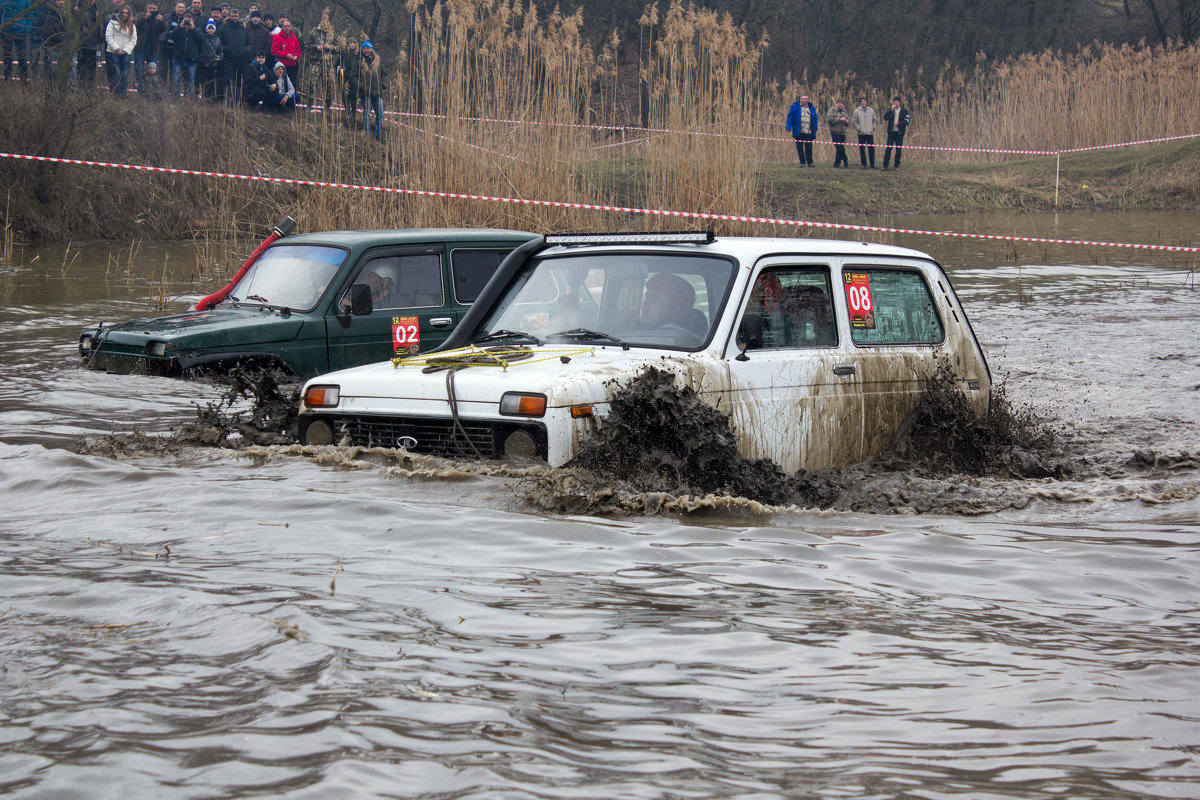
[(789, 307), (404, 281), (471, 269), (890, 306)]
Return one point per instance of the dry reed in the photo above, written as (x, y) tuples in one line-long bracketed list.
[(465, 66)]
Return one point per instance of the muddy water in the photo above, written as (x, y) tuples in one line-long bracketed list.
[(206, 623)]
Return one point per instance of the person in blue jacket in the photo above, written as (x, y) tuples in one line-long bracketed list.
[(16, 31), (802, 124)]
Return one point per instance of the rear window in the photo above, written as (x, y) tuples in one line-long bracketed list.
[(890, 306)]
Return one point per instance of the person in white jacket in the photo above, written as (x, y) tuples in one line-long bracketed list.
[(120, 35)]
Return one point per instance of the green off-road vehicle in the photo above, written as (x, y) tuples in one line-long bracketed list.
[(315, 303)]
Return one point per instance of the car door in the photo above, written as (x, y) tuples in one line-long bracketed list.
[(897, 334), (794, 398), (411, 309)]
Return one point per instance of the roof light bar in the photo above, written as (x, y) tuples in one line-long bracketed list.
[(664, 237)]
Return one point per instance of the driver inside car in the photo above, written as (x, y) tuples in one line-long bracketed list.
[(669, 303)]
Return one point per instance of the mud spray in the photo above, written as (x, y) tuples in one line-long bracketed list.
[(662, 450), (257, 408)]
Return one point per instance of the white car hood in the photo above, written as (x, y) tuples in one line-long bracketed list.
[(566, 374)]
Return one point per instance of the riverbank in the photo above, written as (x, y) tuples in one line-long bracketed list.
[(62, 202)]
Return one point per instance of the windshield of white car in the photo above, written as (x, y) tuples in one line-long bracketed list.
[(628, 299), (293, 276)]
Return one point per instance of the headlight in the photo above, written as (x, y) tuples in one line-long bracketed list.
[(321, 396), (157, 349), (85, 342), (518, 404)]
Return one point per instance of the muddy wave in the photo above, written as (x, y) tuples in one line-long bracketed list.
[(662, 450)]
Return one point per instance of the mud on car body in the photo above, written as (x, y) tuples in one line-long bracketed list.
[(317, 302), (816, 350)]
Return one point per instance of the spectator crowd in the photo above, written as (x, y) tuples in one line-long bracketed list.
[(190, 52), (803, 120)]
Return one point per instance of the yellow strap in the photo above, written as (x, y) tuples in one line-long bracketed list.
[(501, 357)]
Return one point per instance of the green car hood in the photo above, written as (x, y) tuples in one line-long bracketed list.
[(218, 329)]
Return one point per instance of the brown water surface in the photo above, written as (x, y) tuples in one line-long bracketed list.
[(214, 624)]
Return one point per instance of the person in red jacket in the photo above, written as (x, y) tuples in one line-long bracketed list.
[(285, 46)]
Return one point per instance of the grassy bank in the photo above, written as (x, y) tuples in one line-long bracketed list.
[(64, 202), (718, 144)]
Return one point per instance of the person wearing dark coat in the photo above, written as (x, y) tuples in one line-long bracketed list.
[(52, 30), (209, 62), (349, 61), (371, 86), (166, 47), (184, 56), (256, 80), (895, 121), (258, 36), (91, 39), (150, 27), (236, 42)]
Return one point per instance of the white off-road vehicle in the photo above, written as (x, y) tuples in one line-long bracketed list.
[(816, 350)]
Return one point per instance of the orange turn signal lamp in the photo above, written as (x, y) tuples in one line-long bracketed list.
[(321, 396), (518, 404)]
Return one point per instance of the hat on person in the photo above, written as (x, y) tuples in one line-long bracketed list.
[(366, 45), (210, 24), (254, 14)]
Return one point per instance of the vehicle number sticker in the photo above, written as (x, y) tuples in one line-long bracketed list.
[(406, 334), (858, 299)]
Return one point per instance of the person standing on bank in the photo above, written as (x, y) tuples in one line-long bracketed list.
[(120, 37), (285, 47), (895, 120), (349, 61), (863, 120), (839, 123), (802, 124), (235, 46), (371, 86)]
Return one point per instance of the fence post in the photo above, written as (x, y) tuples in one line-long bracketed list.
[(1057, 166)]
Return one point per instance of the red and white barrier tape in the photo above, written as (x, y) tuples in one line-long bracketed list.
[(597, 207), (458, 142)]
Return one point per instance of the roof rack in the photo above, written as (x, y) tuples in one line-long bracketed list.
[(663, 237)]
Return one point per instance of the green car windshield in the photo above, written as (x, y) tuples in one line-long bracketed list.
[(290, 276)]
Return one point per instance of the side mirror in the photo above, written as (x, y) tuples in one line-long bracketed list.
[(360, 300)]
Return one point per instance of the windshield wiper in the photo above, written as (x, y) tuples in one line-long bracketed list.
[(505, 333), (259, 298), (587, 335)]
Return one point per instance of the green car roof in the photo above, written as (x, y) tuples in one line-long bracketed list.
[(400, 236)]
